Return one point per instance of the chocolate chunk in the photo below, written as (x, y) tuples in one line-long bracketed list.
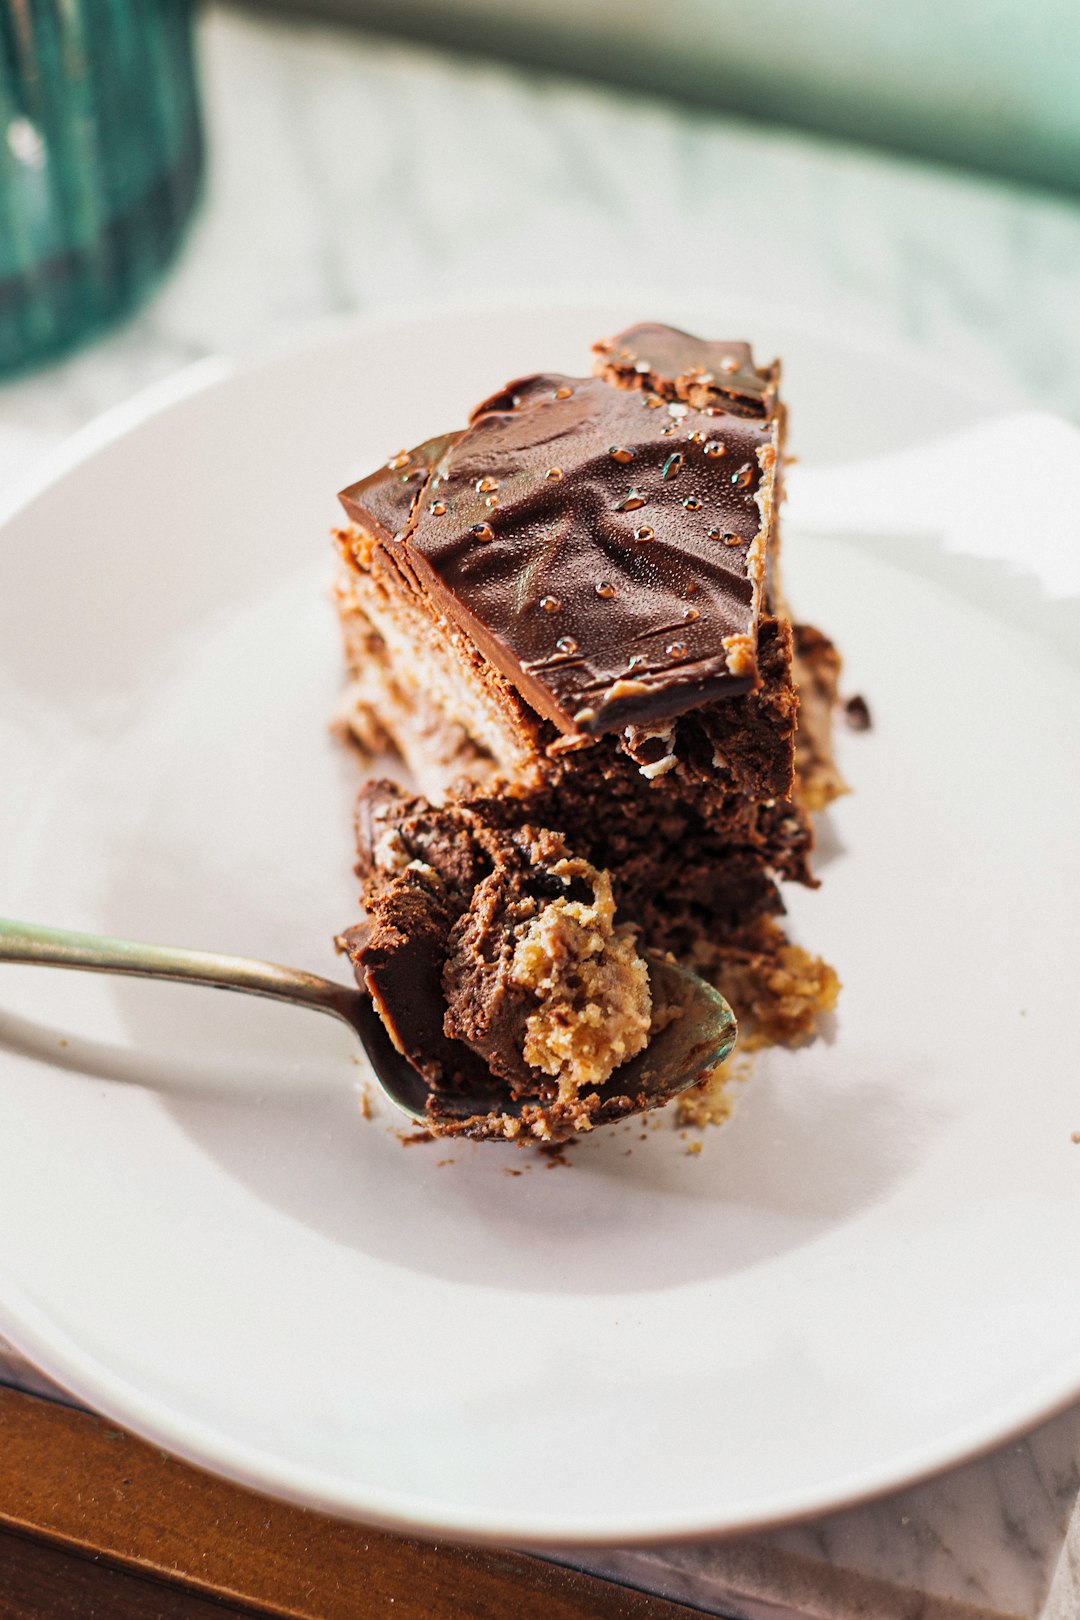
[(857, 713), (398, 958)]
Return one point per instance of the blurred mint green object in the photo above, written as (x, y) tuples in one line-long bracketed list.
[(100, 158), (991, 84)]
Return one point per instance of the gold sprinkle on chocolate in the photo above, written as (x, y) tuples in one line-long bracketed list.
[(623, 688)]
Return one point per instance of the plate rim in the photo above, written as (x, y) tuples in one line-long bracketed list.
[(158, 1424)]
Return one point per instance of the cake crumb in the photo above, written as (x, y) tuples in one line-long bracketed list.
[(857, 713), (591, 985), (816, 672), (708, 1103), (778, 991), (795, 993), (365, 1102), (411, 1138), (693, 1147), (1075, 1136), (739, 655)]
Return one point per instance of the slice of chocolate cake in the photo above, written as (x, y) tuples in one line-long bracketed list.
[(566, 619)]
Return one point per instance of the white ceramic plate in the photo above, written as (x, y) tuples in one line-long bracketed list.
[(868, 1274)]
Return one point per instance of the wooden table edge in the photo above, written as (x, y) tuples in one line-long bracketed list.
[(74, 1483)]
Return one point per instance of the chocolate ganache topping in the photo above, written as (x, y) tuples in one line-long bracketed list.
[(385, 500), (603, 539)]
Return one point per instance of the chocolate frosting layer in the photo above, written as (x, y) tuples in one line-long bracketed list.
[(602, 542), (384, 501)]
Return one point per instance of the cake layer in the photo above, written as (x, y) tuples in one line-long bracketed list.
[(694, 820), (418, 684), (421, 674)]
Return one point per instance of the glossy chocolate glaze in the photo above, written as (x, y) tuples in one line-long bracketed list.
[(384, 501), (602, 540)]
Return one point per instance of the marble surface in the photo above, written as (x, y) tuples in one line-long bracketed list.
[(999, 1537), (350, 174)]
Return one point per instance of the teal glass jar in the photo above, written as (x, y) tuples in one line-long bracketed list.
[(100, 162)]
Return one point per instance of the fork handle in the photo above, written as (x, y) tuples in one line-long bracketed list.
[(98, 953)]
